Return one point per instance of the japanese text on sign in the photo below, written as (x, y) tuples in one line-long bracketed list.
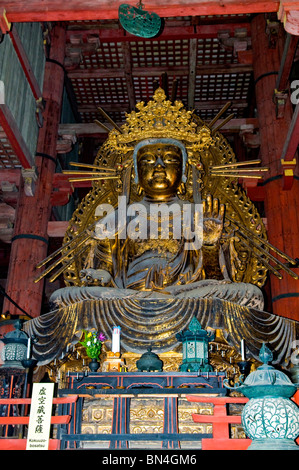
[(40, 416)]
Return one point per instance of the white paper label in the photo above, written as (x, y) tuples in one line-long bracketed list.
[(40, 416)]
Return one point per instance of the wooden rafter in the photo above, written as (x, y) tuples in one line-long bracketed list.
[(128, 74), (192, 72)]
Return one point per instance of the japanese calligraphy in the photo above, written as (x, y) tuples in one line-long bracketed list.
[(40, 416)]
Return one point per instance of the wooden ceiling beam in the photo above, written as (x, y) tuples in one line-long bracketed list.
[(12, 176), (118, 34), (93, 130), (157, 71), (204, 105), (55, 10)]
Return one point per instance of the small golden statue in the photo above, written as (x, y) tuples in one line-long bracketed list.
[(166, 233)]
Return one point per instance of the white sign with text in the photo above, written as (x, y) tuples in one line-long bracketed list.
[(40, 416)]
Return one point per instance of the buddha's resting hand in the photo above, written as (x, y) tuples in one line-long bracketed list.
[(213, 217), (94, 277)]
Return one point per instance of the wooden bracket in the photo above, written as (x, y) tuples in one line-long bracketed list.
[(62, 190), (272, 29), (5, 25), (280, 99), (250, 137), (66, 142), (288, 14), (288, 167), (30, 177)]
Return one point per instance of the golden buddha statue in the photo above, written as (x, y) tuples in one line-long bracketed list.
[(154, 257), (165, 234)]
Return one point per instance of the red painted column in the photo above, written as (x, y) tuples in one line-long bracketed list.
[(281, 206), (29, 245)]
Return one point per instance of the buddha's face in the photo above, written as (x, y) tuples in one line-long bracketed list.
[(159, 170)]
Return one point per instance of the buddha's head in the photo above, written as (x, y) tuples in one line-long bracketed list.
[(160, 167)]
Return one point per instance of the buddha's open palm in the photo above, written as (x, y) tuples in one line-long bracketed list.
[(213, 217)]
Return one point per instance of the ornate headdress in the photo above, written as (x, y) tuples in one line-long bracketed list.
[(160, 118)]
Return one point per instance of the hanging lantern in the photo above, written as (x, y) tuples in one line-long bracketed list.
[(139, 22), (195, 348)]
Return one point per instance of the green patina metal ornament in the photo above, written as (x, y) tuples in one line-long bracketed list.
[(15, 347), (149, 362), (139, 22), (270, 418), (195, 348)]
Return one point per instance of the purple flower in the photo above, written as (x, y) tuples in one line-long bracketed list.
[(101, 337)]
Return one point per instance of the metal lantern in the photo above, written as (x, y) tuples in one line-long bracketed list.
[(270, 418), (15, 348), (138, 21), (195, 348)]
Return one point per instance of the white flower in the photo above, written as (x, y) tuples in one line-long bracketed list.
[(88, 343)]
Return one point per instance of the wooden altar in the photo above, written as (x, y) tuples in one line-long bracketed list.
[(119, 391)]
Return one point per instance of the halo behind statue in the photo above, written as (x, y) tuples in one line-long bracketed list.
[(206, 151)]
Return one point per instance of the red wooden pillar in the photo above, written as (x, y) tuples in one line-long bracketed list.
[(30, 241), (281, 205)]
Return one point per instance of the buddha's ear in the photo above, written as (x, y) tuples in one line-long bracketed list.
[(181, 189)]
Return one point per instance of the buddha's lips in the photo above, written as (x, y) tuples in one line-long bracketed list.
[(159, 174)]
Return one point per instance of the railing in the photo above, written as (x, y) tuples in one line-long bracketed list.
[(221, 421), (64, 421)]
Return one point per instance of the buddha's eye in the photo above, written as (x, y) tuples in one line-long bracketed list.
[(147, 158), (171, 158)]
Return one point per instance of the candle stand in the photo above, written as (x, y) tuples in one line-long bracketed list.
[(244, 367)]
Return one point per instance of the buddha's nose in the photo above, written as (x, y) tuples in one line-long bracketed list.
[(160, 162)]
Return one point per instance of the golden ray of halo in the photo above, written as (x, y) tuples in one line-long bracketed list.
[(95, 178), (57, 262), (78, 172), (225, 121), (66, 265), (215, 119), (63, 247), (229, 165), (271, 257), (102, 125), (106, 116), (237, 175), (262, 241), (262, 260), (89, 165)]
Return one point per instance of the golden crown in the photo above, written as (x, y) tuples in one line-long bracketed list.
[(157, 119)]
